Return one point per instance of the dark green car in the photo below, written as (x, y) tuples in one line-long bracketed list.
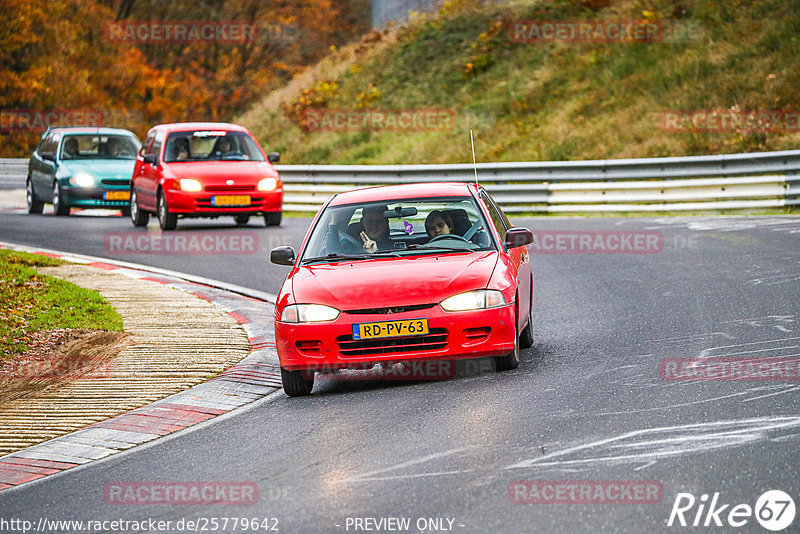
[(83, 168)]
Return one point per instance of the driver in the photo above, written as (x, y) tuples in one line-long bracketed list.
[(112, 147), (376, 229), (70, 149), (438, 223), (223, 146)]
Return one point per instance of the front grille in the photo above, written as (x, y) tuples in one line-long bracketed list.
[(392, 309), (229, 188), (435, 340), (116, 181)]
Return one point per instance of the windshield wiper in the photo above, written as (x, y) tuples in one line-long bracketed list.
[(333, 256), (439, 247)]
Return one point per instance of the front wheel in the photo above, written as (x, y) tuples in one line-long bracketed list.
[(241, 220), (295, 383), (34, 205), (526, 337), (138, 217), (166, 220), (60, 207), (510, 360), (273, 218)]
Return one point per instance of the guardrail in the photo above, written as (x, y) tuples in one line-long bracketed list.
[(720, 182)]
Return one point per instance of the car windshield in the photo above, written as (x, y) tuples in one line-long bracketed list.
[(211, 145), (99, 147), (398, 228)]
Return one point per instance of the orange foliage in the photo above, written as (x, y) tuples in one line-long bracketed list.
[(57, 55)]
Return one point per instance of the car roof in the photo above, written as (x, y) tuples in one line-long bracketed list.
[(397, 192), (184, 126), (102, 130)]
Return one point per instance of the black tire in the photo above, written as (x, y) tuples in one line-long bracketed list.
[(510, 360), (138, 216), (526, 336), (60, 208), (166, 220), (34, 205), (273, 218), (241, 220), (295, 384)]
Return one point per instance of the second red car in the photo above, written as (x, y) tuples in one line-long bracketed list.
[(204, 170)]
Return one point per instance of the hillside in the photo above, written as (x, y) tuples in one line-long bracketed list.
[(547, 99)]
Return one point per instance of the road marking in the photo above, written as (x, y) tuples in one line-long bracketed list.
[(408, 463), (647, 445)]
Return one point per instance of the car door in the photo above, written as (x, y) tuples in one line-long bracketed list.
[(43, 166), (520, 257), (147, 179)]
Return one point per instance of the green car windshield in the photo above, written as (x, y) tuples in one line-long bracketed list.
[(99, 147), (398, 228)]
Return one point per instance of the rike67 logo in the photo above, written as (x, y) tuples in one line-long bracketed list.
[(774, 510)]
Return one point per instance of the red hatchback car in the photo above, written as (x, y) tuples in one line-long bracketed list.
[(204, 170), (403, 273)]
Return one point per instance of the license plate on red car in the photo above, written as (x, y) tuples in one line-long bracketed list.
[(230, 200), (405, 327), (117, 195)]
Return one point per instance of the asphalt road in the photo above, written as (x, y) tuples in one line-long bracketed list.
[(588, 403)]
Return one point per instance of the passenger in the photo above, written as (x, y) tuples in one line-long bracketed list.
[(438, 223), (376, 229), (70, 149)]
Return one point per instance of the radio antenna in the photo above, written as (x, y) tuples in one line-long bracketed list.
[(474, 163)]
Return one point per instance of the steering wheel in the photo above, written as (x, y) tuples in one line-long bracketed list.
[(344, 236), (448, 236)]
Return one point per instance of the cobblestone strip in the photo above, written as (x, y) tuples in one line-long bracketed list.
[(178, 341)]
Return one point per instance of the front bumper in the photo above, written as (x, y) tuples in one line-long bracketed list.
[(94, 197), (199, 204), (330, 346)]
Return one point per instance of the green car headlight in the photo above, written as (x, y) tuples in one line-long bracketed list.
[(82, 179)]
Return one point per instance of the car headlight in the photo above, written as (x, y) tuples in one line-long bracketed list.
[(190, 184), (473, 300), (267, 184), (82, 179), (308, 313)]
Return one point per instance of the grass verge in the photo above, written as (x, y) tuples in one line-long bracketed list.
[(31, 301)]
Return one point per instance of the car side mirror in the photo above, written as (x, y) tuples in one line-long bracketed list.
[(274, 157), (518, 237), (48, 157), (282, 255), (152, 159)]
